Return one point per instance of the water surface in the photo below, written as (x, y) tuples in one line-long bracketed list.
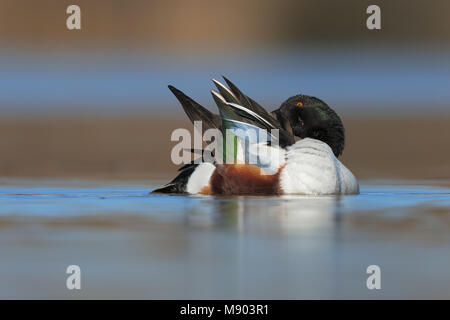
[(130, 244)]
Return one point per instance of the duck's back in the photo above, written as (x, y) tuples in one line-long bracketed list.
[(312, 168)]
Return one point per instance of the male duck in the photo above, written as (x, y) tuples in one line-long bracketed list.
[(308, 166)]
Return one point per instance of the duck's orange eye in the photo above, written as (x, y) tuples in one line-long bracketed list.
[(299, 104)]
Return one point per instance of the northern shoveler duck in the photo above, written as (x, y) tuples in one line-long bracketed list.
[(303, 161)]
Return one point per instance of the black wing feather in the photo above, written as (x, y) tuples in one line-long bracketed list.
[(252, 104), (286, 138), (196, 112)]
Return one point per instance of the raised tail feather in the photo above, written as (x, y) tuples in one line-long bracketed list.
[(196, 112), (247, 112)]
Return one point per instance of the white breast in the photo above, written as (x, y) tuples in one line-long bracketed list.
[(312, 168)]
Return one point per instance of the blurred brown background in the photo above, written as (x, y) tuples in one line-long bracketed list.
[(225, 24), (139, 147), (93, 103)]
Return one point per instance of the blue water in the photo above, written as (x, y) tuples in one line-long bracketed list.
[(132, 244)]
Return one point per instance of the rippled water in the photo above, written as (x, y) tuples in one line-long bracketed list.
[(130, 244)]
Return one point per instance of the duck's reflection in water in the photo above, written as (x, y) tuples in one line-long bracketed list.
[(258, 215), (267, 247)]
